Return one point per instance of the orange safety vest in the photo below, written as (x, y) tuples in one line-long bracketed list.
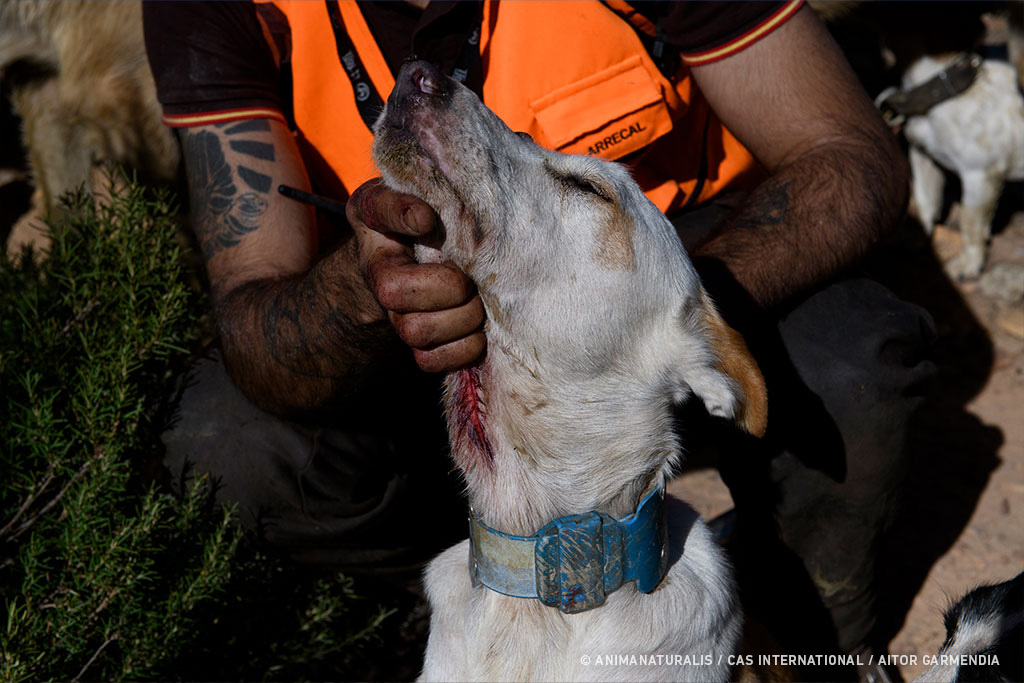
[(573, 74)]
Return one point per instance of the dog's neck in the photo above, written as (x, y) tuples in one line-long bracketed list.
[(533, 449)]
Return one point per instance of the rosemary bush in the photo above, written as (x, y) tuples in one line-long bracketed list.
[(105, 574)]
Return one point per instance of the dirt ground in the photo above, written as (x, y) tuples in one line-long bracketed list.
[(960, 523)]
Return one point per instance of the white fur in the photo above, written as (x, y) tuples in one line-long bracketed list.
[(979, 135), (596, 324), (981, 625), (971, 638), (479, 635)]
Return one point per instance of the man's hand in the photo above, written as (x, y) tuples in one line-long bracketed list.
[(434, 307)]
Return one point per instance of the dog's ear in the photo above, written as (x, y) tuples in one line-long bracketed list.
[(734, 388)]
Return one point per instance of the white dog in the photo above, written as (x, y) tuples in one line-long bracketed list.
[(596, 326), (979, 135)]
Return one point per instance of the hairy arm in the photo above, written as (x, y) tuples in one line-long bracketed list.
[(294, 331), (838, 180)]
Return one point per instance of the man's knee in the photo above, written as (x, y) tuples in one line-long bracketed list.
[(863, 353), (335, 493), (857, 339)]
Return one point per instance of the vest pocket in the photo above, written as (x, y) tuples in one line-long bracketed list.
[(609, 114)]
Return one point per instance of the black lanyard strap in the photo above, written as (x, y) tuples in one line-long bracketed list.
[(368, 100), (469, 56)]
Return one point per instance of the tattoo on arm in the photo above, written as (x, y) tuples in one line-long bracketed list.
[(309, 333), (769, 208), (247, 126), (811, 219), (289, 342), (259, 150), (303, 329), (223, 215)]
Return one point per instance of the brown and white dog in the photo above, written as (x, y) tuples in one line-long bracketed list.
[(597, 325)]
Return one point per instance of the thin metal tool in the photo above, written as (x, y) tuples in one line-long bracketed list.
[(319, 201)]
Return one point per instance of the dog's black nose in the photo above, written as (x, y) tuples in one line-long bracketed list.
[(420, 78)]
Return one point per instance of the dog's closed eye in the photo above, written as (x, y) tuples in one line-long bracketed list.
[(578, 183)]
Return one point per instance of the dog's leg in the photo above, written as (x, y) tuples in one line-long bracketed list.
[(60, 143), (927, 185), (981, 190)]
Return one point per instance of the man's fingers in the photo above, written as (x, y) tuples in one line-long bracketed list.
[(404, 286), (375, 206), (424, 330), (432, 305), (451, 355)]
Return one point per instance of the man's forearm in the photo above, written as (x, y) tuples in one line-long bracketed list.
[(814, 216), (293, 343)]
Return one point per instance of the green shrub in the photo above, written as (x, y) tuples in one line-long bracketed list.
[(104, 572)]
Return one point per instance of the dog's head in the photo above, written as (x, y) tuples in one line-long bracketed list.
[(584, 280)]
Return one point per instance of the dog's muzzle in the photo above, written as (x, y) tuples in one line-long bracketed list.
[(574, 562)]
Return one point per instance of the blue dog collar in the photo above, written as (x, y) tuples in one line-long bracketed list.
[(574, 562)]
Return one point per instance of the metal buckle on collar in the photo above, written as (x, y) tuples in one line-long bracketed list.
[(896, 105), (574, 562)]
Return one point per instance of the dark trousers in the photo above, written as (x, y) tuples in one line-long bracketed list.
[(845, 370), (365, 486)]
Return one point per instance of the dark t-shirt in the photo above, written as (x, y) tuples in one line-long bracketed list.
[(213, 56)]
